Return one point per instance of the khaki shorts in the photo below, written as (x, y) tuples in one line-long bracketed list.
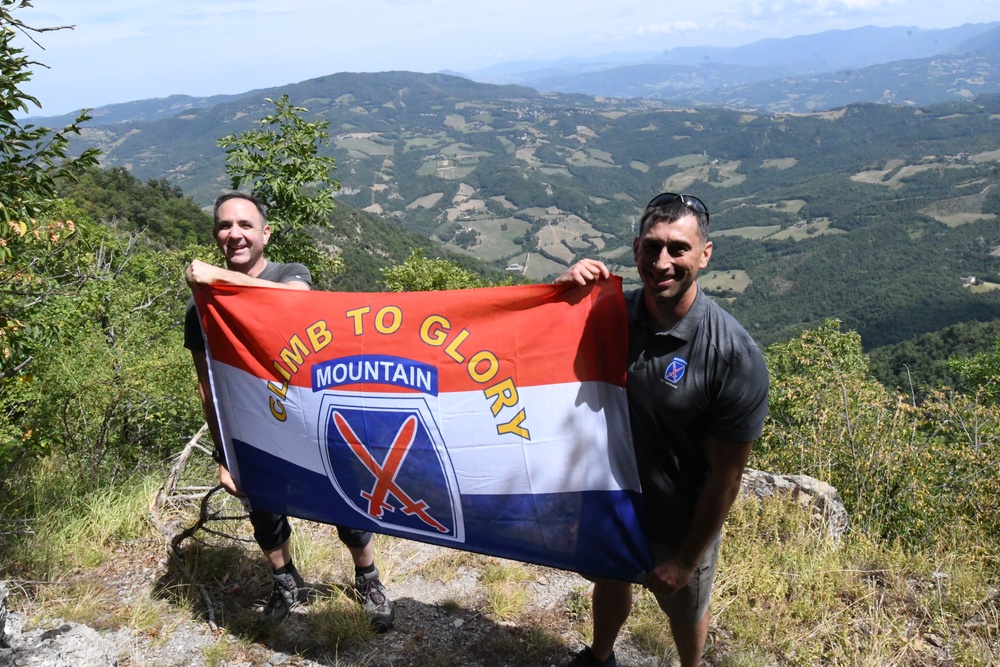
[(689, 605)]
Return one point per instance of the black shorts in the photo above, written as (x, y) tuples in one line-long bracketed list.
[(271, 530)]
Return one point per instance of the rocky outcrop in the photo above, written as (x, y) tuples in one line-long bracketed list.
[(69, 645), (3, 614), (822, 500)]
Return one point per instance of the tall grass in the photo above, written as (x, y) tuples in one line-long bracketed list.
[(72, 535), (787, 595), (72, 528)]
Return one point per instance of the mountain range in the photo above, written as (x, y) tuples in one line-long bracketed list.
[(882, 215), (796, 74)]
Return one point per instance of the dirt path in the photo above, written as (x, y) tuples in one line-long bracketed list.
[(454, 609)]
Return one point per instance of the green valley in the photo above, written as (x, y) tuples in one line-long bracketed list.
[(872, 214)]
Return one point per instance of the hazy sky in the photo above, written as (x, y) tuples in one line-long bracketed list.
[(124, 50)]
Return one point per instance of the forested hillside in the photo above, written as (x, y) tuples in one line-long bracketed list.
[(161, 216), (877, 215), (927, 362), (157, 209)]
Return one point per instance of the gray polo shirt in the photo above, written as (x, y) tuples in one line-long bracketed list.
[(703, 378)]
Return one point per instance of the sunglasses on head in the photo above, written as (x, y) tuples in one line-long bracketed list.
[(690, 201)]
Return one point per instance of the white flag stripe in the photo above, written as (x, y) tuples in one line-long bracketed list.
[(569, 426)]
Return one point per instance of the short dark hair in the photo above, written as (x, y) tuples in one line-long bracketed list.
[(222, 199), (672, 211)]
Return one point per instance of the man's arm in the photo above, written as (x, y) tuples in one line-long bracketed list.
[(726, 460), (203, 273)]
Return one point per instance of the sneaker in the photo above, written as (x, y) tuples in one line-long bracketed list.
[(586, 658), (372, 596), (284, 596)]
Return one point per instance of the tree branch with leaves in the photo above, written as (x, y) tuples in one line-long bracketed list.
[(32, 158), (281, 164)]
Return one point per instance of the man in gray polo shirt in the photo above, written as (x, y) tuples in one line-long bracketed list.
[(697, 392), (241, 233)]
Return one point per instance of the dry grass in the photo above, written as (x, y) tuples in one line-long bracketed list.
[(506, 594), (789, 595), (785, 595)]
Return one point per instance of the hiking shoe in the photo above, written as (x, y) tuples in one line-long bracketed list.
[(372, 596), (586, 658), (284, 596)]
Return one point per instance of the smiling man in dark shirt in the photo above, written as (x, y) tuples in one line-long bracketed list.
[(697, 390)]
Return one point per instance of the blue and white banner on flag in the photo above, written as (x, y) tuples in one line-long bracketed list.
[(491, 420)]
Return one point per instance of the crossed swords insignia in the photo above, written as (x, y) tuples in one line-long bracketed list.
[(385, 474)]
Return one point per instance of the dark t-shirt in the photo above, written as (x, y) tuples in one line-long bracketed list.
[(275, 272), (703, 378)]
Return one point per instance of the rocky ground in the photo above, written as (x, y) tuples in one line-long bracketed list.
[(438, 623), (189, 594), (197, 607)]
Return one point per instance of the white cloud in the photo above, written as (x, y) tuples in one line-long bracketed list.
[(867, 5), (790, 11), (672, 28)]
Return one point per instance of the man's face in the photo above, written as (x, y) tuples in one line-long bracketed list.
[(669, 256), (241, 236)]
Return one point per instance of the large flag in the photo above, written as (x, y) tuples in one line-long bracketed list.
[(492, 420)]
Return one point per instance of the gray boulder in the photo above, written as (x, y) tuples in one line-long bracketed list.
[(823, 501)]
